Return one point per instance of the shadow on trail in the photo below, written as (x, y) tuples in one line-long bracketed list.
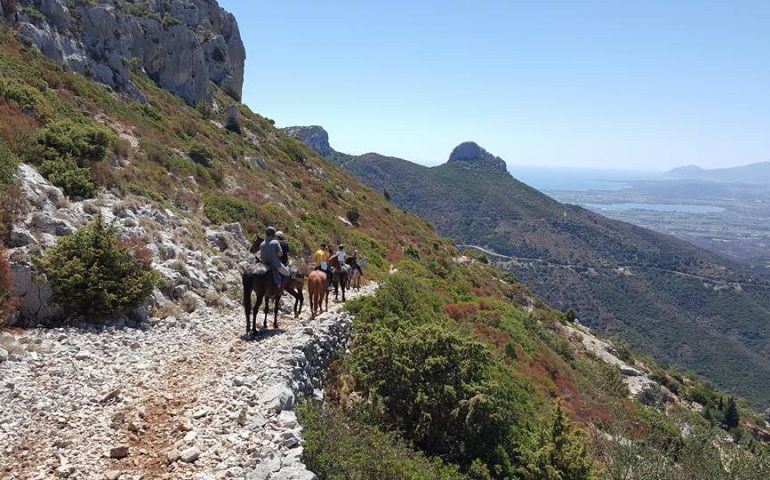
[(262, 334)]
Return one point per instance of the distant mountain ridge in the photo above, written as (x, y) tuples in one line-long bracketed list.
[(681, 303), (754, 173)]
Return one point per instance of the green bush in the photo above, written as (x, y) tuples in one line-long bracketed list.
[(7, 302), (338, 447), (354, 215), (67, 175), (559, 453), (79, 139), (8, 165), (444, 389), (201, 155), (223, 209), (94, 276), (27, 98)]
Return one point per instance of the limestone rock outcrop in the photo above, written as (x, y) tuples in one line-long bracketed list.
[(181, 44), (314, 137), (472, 156)]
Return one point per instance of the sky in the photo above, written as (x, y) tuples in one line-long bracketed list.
[(632, 84)]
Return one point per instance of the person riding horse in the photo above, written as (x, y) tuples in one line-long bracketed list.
[(270, 253), (321, 258), (284, 247), (353, 262)]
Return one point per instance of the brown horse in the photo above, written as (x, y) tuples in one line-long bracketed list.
[(340, 275), (318, 290)]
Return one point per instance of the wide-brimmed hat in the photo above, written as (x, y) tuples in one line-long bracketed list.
[(279, 234)]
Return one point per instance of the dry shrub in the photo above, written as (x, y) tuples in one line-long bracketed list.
[(188, 303), (7, 302), (14, 205), (461, 311), (213, 299), (121, 148), (168, 309), (138, 248), (103, 175)]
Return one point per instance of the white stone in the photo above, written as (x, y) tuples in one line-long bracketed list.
[(190, 455)]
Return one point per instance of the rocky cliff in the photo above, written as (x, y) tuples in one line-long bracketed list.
[(471, 155), (314, 137), (181, 44)]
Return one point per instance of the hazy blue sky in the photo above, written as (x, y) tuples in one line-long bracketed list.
[(640, 84)]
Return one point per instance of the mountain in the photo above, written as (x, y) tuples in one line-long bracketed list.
[(182, 45), (684, 305), (454, 369), (754, 173)]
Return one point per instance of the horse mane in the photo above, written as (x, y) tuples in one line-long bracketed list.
[(255, 246)]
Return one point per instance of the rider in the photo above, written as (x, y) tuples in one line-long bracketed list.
[(321, 258), (270, 254), (353, 262), (341, 255), (284, 247)]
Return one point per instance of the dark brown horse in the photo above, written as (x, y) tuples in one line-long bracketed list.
[(259, 279), (340, 276), (294, 286)]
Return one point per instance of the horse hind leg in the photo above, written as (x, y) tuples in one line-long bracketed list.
[(256, 312), (275, 311), (267, 310)]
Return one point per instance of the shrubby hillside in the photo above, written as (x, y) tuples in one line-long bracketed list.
[(682, 304), (455, 370)]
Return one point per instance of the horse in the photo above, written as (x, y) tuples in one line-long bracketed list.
[(296, 282), (318, 290), (260, 280), (340, 276), (355, 275)]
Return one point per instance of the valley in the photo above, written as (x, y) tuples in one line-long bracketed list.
[(727, 218), (687, 306)]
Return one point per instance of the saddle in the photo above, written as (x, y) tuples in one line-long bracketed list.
[(295, 273)]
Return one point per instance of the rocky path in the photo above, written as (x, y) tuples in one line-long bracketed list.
[(184, 398)]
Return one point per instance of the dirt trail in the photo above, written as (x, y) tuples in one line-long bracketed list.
[(182, 399)]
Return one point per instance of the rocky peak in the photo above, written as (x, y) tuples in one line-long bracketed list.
[(181, 44), (471, 155), (314, 137)]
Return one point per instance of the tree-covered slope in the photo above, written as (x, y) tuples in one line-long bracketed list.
[(683, 304)]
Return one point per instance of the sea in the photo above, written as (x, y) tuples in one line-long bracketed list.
[(558, 181), (553, 179)]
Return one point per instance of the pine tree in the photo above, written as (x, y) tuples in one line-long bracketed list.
[(732, 417), (560, 453), (93, 275), (386, 194)]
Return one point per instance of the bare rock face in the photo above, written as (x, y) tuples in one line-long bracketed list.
[(314, 137), (471, 156), (181, 44)]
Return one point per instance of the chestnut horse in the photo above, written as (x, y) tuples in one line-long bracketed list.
[(318, 290)]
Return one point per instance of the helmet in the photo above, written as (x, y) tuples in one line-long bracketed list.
[(279, 234), (270, 231), (342, 247)]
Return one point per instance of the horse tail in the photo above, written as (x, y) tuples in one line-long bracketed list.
[(247, 287)]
